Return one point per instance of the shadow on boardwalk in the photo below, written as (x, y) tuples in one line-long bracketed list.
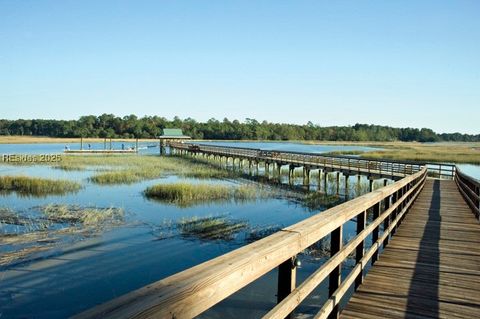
[(424, 288)]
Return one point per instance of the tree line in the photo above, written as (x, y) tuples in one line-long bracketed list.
[(131, 126)]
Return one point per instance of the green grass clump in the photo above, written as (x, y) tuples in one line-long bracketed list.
[(211, 227), (37, 186), (127, 176), (185, 194)]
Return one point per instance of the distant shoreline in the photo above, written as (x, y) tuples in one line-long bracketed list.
[(48, 140), (16, 139)]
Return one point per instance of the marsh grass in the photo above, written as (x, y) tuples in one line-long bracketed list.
[(131, 169), (186, 194), (35, 186), (127, 176), (423, 152)]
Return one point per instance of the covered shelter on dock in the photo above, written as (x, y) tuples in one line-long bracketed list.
[(171, 135)]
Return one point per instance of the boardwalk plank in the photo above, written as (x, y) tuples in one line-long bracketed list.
[(431, 269)]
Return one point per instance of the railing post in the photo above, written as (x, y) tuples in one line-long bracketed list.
[(386, 222), (376, 214), (360, 250), (394, 214), (335, 277), (287, 273)]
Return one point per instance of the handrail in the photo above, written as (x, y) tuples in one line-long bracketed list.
[(379, 167), (442, 166), (470, 190), (192, 291)]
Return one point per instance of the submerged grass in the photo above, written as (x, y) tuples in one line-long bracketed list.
[(210, 227), (23, 234), (35, 186), (186, 194), (87, 216), (317, 200)]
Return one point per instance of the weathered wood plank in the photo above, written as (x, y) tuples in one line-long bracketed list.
[(432, 266)]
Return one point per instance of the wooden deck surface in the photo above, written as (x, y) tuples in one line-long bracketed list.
[(431, 268)]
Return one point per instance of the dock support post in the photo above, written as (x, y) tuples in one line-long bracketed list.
[(335, 277), (279, 172), (338, 182), (325, 185), (81, 143), (287, 272), (306, 176), (319, 179), (291, 171), (346, 186), (370, 187)]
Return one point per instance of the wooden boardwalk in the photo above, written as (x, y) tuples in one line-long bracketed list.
[(431, 268)]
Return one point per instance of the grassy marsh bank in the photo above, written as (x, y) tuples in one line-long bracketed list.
[(185, 194), (16, 139), (139, 168), (429, 152), (127, 169), (35, 186)]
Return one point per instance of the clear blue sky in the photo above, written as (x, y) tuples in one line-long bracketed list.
[(400, 63)]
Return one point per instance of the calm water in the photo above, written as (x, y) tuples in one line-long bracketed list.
[(294, 147), (54, 148), (76, 277)]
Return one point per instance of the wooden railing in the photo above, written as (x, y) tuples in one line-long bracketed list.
[(470, 189), (441, 170), (351, 164), (191, 292)]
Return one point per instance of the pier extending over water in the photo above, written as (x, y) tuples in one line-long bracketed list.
[(418, 238)]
